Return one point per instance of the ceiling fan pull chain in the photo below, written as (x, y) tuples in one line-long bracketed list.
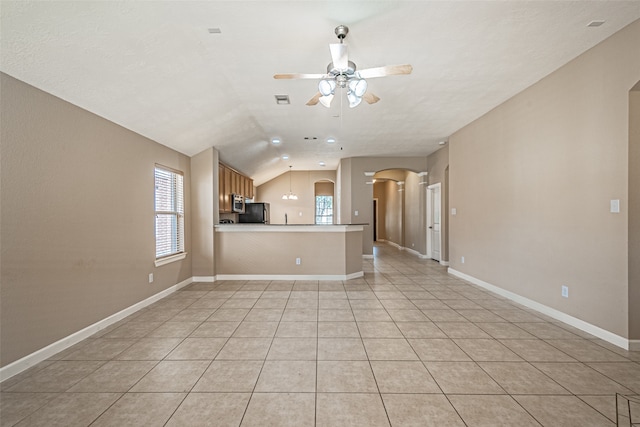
[(341, 103)]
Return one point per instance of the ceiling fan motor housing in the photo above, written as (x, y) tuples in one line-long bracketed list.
[(341, 32)]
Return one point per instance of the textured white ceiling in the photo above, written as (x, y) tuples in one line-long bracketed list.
[(154, 68)]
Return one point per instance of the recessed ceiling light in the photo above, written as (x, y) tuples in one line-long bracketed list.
[(322, 163), (275, 141), (285, 157), (331, 140), (214, 31), (442, 142), (282, 99), (595, 23)]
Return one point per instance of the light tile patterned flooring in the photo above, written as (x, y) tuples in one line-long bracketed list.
[(407, 345)]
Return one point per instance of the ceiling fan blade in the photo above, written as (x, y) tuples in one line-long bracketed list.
[(370, 98), (298, 76), (339, 56), (315, 99), (388, 70)]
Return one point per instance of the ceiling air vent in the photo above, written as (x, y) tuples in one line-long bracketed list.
[(282, 99)]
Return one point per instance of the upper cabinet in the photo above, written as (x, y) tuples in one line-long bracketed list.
[(232, 182)]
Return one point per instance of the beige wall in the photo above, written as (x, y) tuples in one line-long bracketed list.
[(532, 182), (273, 251), (394, 213), (324, 188), (204, 197), (390, 209), (343, 193), (438, 164), (634, 213), (77, 219), (301, 211), (380, 193), (415, 235)]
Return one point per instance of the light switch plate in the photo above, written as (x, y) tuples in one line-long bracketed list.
[(454, 211), (615, 206)]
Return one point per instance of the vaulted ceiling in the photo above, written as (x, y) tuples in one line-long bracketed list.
[(196, 74)]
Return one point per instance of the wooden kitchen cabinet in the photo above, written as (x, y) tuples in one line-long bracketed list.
[(226, 186), (221, 194), (232, 182), (250, 188)]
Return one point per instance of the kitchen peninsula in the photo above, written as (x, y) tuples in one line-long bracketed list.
[(288, 252)]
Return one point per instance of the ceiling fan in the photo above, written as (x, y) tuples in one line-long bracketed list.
[(342, 73)]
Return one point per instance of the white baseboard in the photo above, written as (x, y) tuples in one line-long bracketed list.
[(416, 253), (206, 279), (290, 276), (367, 256), (445, 263), (45, 353), (395, 245), (411, 251), (634, 345), (551, 312)]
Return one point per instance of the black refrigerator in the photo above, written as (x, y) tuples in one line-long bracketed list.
[(255, 213)]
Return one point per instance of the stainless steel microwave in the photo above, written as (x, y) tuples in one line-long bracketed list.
[(237, 203)]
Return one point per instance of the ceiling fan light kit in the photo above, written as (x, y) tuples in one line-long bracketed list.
[(326, 87), (342, 73)]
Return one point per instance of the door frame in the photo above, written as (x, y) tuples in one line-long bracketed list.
[(429, 220), (376, 234)]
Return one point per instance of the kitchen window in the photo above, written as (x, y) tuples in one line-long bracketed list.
[(169, 210), (324, 209)]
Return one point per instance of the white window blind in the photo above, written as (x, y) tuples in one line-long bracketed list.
[(169, 207)]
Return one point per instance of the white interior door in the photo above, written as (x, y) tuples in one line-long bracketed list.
[(433, 221)]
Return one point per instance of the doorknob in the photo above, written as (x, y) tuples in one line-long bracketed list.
[(430, 227)]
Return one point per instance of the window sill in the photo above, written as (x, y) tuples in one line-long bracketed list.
[(170, 259)]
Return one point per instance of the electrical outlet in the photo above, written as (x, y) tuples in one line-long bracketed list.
[(565, 291), (462, 260), (297, 261), (150, 277)]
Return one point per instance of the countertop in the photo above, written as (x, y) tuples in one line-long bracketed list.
[(287, 225), (273, 228)]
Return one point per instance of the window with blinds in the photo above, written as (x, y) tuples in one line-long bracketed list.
[(324, 209), (169, 207)]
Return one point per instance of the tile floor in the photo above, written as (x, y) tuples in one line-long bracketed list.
[(407, 345)]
